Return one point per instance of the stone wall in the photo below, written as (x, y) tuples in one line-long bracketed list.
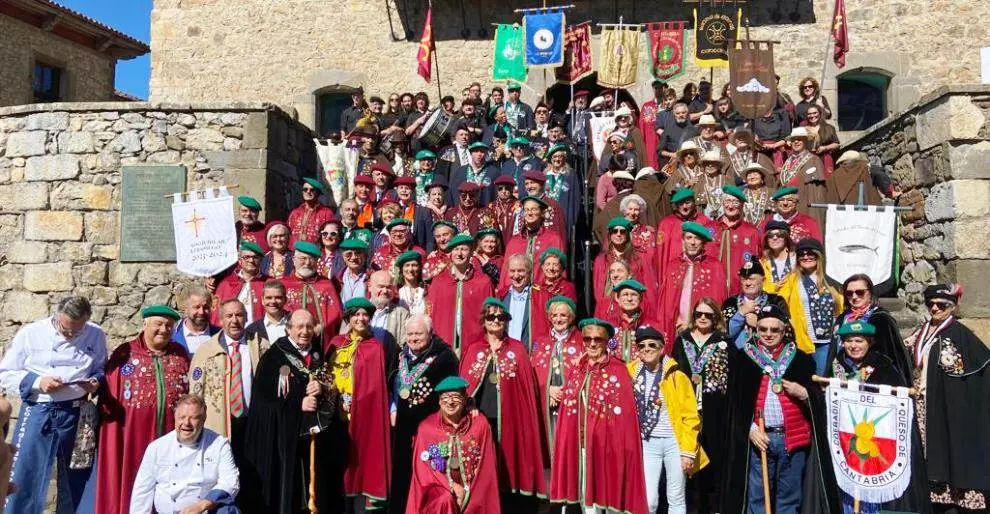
[(60, 195), (89, 74), (938, 152), (285, 52)]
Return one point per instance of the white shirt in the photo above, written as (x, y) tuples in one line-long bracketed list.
[(517, 309), (275, 329), (247, 372), (194, 339), (174, 476), (246, 297), (39, 350)]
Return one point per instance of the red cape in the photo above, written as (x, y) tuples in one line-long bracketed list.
[(230, 287), (669, 233), (318, 296), (442, 303), (647, 116), (129, 417), (613, 463), (256, 234), (368, 460), (709, 280), (505, 216), (304, 223), (735, 246), (540, 294), (436, 262), (642, 270), (623, 344), (430, 489), (471, 221), (522, 457), (520, 243), (545, 364), (802, 226), (386, 255)]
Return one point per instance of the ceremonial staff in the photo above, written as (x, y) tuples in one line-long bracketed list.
[(312, 468), (763, 468)]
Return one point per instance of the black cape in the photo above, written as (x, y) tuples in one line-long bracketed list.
[(411, 411), (887, 341)]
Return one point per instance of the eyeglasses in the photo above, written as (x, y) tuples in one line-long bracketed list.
[(541, 111), (704, 315), (769, 330), (329, 234), (617, 230), (940, 305), (592, 339), (252, 257), (644, 345), (503, 188), (497, 317), (857, 292)]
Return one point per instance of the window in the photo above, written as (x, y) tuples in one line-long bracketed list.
[(47, 83), (862, 98)]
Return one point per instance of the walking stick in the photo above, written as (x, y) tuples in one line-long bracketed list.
[(766, 474), (855, 504), (312, 469)]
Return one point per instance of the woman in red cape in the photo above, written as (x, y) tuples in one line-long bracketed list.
[(533, 239), (640, 264), (359, 374), (707, 279), (503, 384), (629, 315), (598, 454), (452, 436), (455, 297), (553, 263), (553, 355)]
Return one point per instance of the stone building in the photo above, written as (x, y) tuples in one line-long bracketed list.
[(49, 53)]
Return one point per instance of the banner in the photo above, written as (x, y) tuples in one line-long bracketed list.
[(869, 437), (840, 34), (620, 56), (205, 237), (859, 241), (424, 57), (544, 38), (577, 54), (751, 77), (600, 125), (712, 33), (508, 62), (667, 49)]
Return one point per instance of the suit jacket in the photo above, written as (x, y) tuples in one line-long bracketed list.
[(258, 327), (524, 337), (208, 377), (179, 336)]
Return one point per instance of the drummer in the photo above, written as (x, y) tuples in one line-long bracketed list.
[(456, 155)]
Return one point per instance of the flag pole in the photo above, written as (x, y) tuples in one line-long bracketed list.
[(436, 58), (828, 42)]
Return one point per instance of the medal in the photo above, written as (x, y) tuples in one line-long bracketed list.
[(777, 388), (345, 373), (404, 393), (493, 377), (696, 379)]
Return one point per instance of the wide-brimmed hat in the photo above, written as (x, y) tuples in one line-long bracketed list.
[(707, 120), (798, 132), (688, 146)]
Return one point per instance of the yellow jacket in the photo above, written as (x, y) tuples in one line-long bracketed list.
[(790, 291), (678, 395)]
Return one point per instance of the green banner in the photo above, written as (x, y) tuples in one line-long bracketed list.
[(508, 55)]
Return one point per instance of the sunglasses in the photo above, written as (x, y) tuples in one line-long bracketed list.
[(858, 293), (308, 190), (617, 230), (940, 305), (776, 235), (504, 188), (644, 345), (497, 317), (769, 330), (704, 315), (807, 253), (590, 339), (808, 86), (329, 234)]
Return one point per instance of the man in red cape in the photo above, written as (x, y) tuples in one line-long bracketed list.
[(246, 284), (533, 239), (630, 316), (400, 239), (802, 226), (464, 285), (597, 454), (454, 471), (438, 260), (144, 378), (309, 291), (248, 226), (505, 207), (305, 221), (736, 239), (669, 229), (534, 184), (691, 276), (469, 216)]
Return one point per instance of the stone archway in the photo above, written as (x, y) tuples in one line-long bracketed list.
[(329, 84)]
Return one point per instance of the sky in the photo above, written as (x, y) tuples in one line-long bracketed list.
[(132, 17)]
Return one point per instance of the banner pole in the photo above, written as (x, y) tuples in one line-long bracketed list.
[(828, 41), (436, 61)]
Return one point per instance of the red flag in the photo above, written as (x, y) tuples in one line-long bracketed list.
[(840, 34), (577, 54), (424, 59)]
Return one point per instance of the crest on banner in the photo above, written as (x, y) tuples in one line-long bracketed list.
[(205, 235)]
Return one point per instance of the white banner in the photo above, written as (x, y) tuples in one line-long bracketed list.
[(869, 436), (860, 241), (600, 125), (339, 163), (205, 236)]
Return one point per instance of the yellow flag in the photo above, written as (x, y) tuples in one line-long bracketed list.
[(620, 56)]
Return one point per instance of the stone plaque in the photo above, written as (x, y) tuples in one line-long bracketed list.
[(146, 233)]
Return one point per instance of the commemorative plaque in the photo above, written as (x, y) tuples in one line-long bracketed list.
[(146, 233)]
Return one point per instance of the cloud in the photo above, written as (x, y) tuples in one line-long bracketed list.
[(753, 86)]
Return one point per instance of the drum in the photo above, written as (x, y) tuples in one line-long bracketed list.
[(435, 131)]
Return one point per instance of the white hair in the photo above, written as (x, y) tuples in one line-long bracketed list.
[(420, 318), (633, 198)]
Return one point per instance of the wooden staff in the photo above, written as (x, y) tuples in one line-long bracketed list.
[(764, 469), (312, 469), (855, 504)]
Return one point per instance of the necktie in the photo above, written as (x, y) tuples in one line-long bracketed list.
[(236, 385)]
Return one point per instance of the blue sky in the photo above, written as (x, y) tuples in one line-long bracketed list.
[(132, 17)]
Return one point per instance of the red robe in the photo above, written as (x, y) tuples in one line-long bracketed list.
[(318, 296), (552, 365), (386, 255), (368, 452), (708, 280), (505, 216), (553, 218), (430, 489), (436, 262), (623, 344), (522, 457), (540, 294), (598, 402), (131, 417), (230, 288), (256, 234), (534, 247), (470, 221), (304, 222), (647, 117), (802, 226), (642, 270), (736, 244), (445, 306), (669, 245)]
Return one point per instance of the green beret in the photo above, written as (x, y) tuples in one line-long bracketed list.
[(540, 201), (477, 145), (554, 251), (360, 302), (396, 222), (160, 310), (561, 299), (693, 227), (519, 141), (557, 148), (249, 202), (681, 194), (307, 248), (784, 191), (251, 247), (458, 240), (407, 256), (735, 191), (595, 322), (353, 243), (629, 283), (857, 328), (495, 302), (444, 223), (425, 154), (315, 183), (514, 86), (363, 234), (451, 384), (487, 232), (619, 221)]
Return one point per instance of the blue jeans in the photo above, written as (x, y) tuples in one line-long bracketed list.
[(785, 472), (821, 358), (660, 453), (45, 433)]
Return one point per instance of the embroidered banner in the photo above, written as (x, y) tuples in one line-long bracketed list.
[(667, 49), (205, 236), (508, 56), (712, 32), (751, 77), (860, 241), (869, 436), (577, 54), (620, 53), (600, 125), (544, 38)]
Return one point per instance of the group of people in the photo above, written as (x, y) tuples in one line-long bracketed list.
[(421, 347)]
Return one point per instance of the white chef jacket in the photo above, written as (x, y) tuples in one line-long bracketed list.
[(173, 476)]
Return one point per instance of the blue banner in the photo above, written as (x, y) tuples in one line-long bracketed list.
[(544, 38)]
